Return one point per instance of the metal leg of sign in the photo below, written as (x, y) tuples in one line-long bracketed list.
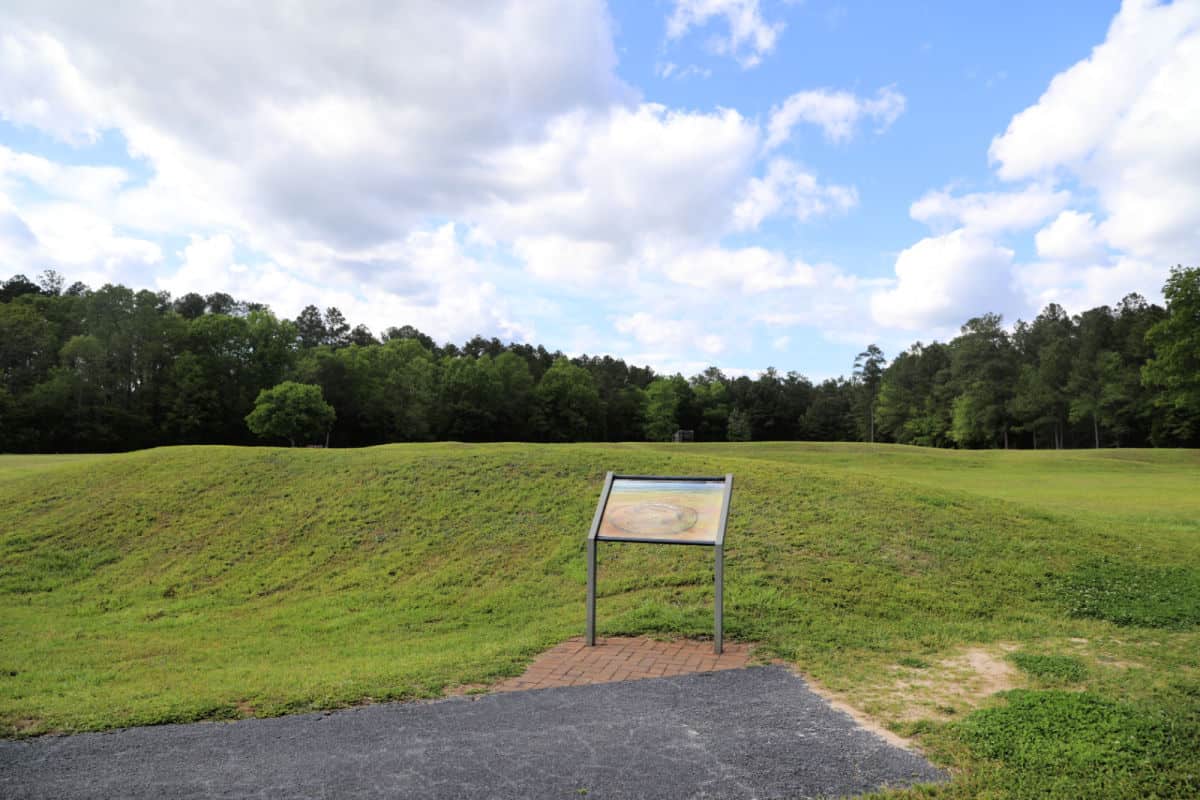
[(591, 592), (719, 593)]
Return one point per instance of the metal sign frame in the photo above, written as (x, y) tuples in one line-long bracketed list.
[(718, 548)]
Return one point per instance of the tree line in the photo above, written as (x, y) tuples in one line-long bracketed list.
[(118, 369)]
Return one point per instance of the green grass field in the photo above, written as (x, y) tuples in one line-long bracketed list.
[(215, 582)]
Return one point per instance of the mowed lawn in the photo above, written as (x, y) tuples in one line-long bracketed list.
[(217, 582)]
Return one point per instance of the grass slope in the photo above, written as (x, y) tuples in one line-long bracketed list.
[(213, 582)]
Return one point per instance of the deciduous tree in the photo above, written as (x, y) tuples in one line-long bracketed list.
[(292, 411)]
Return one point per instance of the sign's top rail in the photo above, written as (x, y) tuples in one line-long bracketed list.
[(702, 479)]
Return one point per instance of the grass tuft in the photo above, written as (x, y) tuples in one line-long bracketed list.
[(1135, 595), (1051, 669), (1056, 743), (913, 662)]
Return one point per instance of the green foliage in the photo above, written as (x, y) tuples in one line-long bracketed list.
[(983, 369), (739, 426), (913, 405), (970, 423), (1175, 367), (1133, 594), (568, 403), (1050, 668), (663, 400), (710, 399), (868, 374), (290, 410), (118, 369), (1072, 744), (830, 415)]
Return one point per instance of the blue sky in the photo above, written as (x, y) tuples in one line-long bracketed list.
[(681, 183)]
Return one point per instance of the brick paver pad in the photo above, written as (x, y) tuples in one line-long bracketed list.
[(623, 658)]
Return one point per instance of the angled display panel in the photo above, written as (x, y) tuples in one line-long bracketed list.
[(666, 510), (657, 509)]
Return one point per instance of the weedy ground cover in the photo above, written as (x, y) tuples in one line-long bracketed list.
[(216, 582), (1052, 668)]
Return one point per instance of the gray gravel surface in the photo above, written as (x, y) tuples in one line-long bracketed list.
[(748, 733)]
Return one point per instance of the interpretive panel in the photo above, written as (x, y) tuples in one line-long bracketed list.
[(656, 510)]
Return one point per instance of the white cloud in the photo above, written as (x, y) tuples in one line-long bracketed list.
[(787, 187), (1125, 123), (833, 303), (672, 70), (941, 280), (571, 261), (67, 223), (85, 183), (1078, 288), (989, 212), (78, 241), (1084, 104), (427, 281), (750, 37), (347, 143), (623, 175), (750, 270), (1072, 237), (1123, 126), (41, 88), (501, 151), (962, 271), (673, 334), (837, 113)]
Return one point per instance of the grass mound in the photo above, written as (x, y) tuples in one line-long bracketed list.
[(217, 582), (1132, 594)]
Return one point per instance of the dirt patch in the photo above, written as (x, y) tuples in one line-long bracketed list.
[(944, 690), (954, 685), (992, 672)]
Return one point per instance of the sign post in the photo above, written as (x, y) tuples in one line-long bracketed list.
[(655, 509)]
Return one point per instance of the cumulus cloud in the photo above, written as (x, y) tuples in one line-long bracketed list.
[(1087, 102), (790, 189), (349, 143), (43, 89), (989, 212), (652, 330), (428, 281), (300, 167), (837, 113), (327, 171), (1080, 286), (68, 223), (962, 271), (750, 36), (1071, 238), (942, 278), (750, 270), (624, 174), (1123, 123), (1120, 129)]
